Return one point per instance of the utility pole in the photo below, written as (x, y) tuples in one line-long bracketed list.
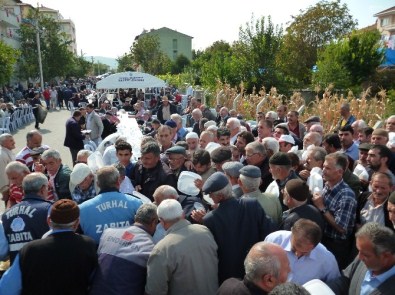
[(40, 65)]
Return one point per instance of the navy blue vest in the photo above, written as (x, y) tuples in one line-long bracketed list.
[(25, 222)]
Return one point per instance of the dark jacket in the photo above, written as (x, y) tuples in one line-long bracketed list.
[(25, 222), (265, 175), (236, 226), (62, 180), (306, 211), (151, 179), (62, 263), (74, 138), (173, 110)]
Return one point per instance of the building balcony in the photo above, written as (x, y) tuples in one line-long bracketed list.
[(389, 27), (9, 18)]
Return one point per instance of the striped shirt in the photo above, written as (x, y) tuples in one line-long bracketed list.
[(24, 156)]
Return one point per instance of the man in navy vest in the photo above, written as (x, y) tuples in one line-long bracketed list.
[(27, 221)]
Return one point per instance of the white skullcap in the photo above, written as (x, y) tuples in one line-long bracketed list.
[(169, 210), (192, 135), (80, 172), (212, 128), (209, 123)]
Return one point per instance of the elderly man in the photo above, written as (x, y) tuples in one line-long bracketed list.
[(27, 221), (365, 135), (234, 126), (151, 172), (108, 209), (7, 144), (372, 206), (256, 155), (282, 172), (74, 139), (33, 140), (197, 116), (390, 124), (315, 158), (337, 203), (235, 224), (266, 266), (205, 138), (58, 175), (177, 157), (373, 271), (94, 123), (308, 258), (63, 261), (15, 172), (346, 118), (125, 262), (312, 138), (164, 138), (224, 116), (192, 140), (296, 198), (249, 180), (165, 110), (82, 183), (232, 171), (185, 261), (207, 113), (357, 126), (311, 121), (181, 131), (82, 156)]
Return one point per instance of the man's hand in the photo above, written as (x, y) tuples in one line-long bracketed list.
[(198, 215), (318, 201)]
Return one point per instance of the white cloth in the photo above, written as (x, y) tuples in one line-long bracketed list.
[(126, 186)]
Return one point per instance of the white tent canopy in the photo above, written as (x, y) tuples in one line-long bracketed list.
[(130, 80)]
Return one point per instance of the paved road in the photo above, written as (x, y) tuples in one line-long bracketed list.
[(53, 131)]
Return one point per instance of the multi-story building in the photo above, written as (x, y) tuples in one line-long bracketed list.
[(386, 26), (10, 19), (66, 26), (172, 43)]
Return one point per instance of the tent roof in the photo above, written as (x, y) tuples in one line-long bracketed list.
[(130, 80)]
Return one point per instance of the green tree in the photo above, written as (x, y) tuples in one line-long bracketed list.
[(308, 32), (259, 44), (56, 57), (361, 54), (179, 64), (349, 61), (213, 64), (80, 67), (125, 63), (146, 52), (8, 59)]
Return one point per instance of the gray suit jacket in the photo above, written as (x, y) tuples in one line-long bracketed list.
[(96, 125), (351, 280)]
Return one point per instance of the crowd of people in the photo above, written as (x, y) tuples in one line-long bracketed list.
[(272, 207)]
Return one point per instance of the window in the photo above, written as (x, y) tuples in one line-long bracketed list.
[(174, 44), (385, 21), (175, 53)]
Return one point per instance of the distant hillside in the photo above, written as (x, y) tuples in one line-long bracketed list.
[(111, 62)]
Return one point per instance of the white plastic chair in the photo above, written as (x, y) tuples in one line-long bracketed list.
[(5, 125), (13, 124)]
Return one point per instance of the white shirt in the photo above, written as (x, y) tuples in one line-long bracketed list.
[(318, 264), (370, 213)]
